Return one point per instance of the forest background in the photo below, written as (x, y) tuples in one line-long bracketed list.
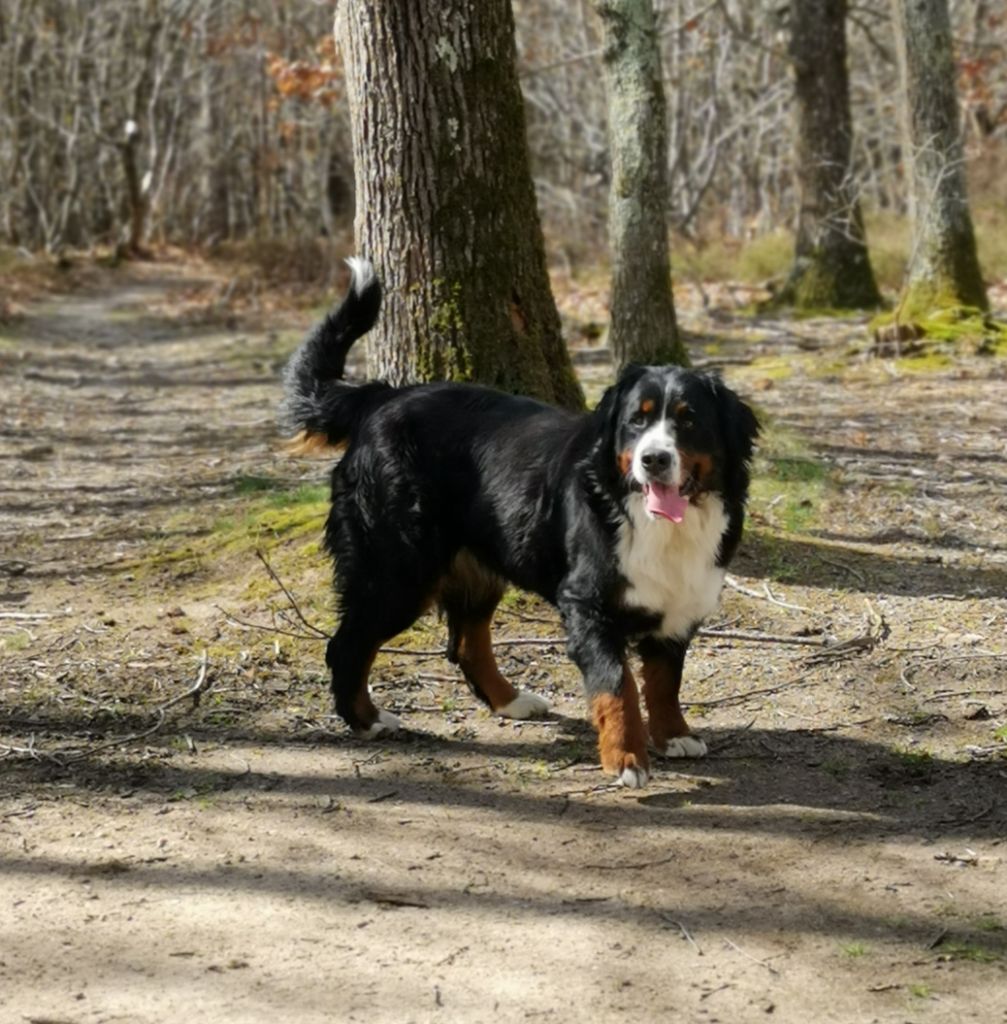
[(275, 185)]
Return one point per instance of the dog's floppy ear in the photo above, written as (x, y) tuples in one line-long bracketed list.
[(739, 427), (607, 410), (607, 417)]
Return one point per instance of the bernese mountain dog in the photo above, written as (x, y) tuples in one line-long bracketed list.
[(624, 518)]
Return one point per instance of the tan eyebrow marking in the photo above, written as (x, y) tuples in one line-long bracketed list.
[(681, 409), (647, 405)]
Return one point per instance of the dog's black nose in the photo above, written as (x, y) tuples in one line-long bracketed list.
[(656, 460)]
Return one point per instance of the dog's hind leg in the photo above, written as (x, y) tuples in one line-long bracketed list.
[(469, 596), (349, 655), (365, 626)]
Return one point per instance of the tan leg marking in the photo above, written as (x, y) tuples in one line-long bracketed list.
[(477, 661), (622, 742), (660, 691)]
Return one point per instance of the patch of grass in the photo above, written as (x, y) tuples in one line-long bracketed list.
[(947, 329), (855, 950), (765, 257), (724, 259), (14, 642), (772, 553), (251, 484), (935, 361), (262, 518), (773, 369), (888, 239), (920, 990), (836, 767), (1000, 734), (989, 922), (306, 494), (916, 763), (790, 485), (791, 469), (969, 951)]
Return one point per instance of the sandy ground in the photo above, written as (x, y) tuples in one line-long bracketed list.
[(839, 856)]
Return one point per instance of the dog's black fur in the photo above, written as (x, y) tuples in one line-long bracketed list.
[(446, 492)]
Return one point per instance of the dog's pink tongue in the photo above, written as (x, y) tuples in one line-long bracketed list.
[(665, 501)]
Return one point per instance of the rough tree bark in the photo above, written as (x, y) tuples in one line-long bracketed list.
[(445, 201), (831, 265), (643, 327), (943, 267)]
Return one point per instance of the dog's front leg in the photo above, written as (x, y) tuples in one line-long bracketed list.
[(670, 735), (599, 652)]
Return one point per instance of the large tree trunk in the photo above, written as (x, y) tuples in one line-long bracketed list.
[(643, 327), (445, 202), (831, 266), (944, 268)]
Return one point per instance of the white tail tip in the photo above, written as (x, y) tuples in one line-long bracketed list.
[(361, 273)]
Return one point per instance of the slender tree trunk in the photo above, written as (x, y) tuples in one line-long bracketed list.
[(831, 265), (643, 326), (445, 202), (943, 267), (136, 195)]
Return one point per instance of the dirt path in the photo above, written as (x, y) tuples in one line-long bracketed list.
[(838, 857)]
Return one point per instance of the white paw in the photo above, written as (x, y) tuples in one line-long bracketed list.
[(634, 777), (684, 746), (525, 705), (385, 725)]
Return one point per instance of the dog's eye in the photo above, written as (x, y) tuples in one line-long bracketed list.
[(638, 419), (686, 424)]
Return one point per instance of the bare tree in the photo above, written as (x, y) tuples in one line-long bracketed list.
[(445, 203), (215, 150), (943, 268), (244, 128), (643, 328), (832, 268)]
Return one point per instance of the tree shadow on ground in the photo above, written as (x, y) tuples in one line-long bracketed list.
[(800, 782), (821, 912), (708, 805), (807, 563)]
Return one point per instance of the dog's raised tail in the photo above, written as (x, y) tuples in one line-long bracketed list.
[(319, 408)]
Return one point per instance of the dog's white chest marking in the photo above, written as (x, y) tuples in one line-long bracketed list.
[(671, 568)]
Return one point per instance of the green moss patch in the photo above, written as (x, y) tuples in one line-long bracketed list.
[(789, 485), (261, 519)]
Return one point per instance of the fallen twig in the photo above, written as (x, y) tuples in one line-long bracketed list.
[(855, 573), (748, 956), (290, 597), (764, 638), (195, 692), (767, 595), (29, 751), (246, 624), (395, 901), (969, 858), (876, 631), (971, 818), (632, 867), (685, 932)]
